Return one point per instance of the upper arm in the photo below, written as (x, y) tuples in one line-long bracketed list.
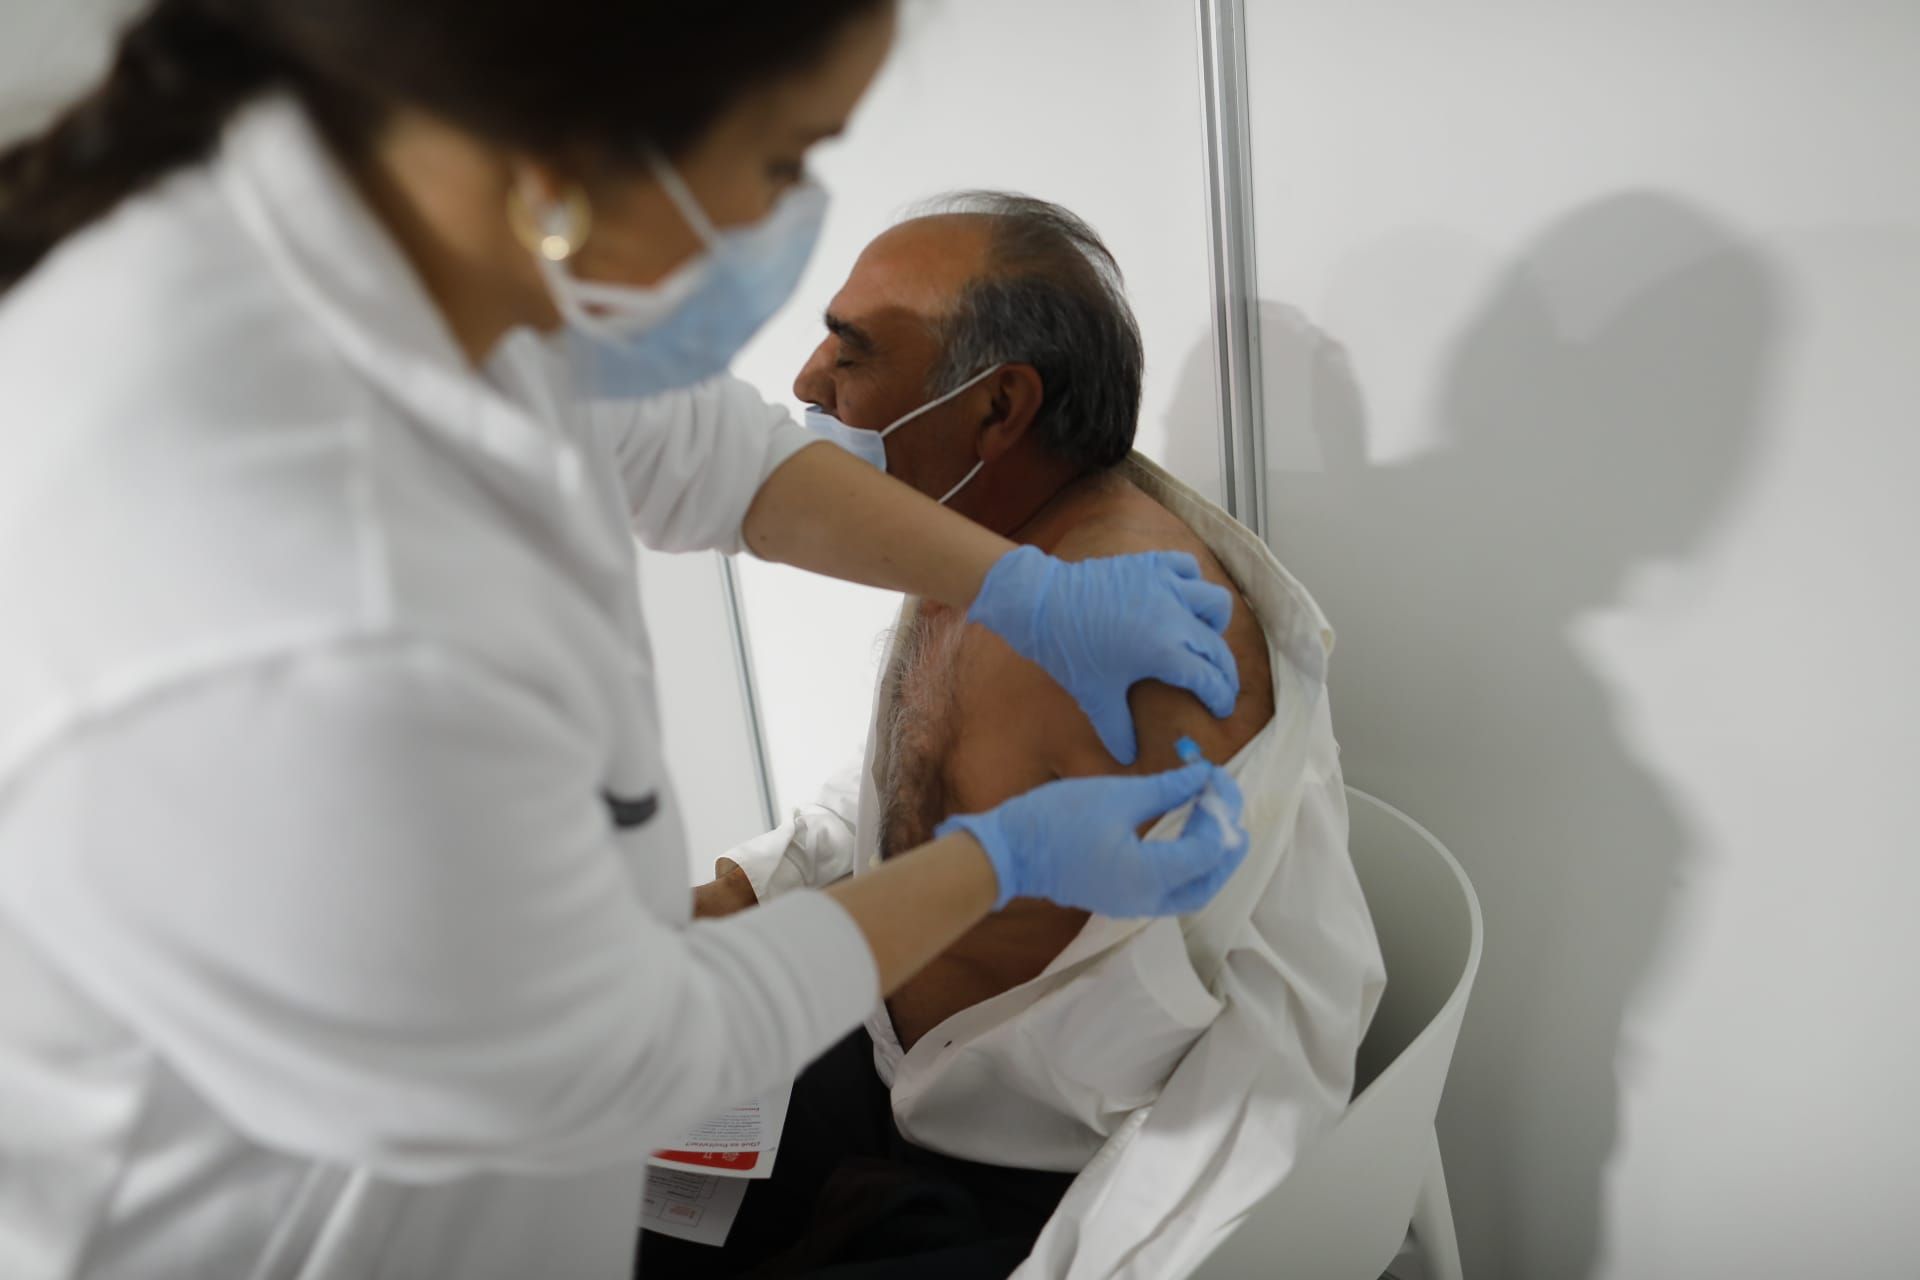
[(691, 461), (1018, 712), (1017, 701)]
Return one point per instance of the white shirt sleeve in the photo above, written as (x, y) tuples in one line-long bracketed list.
[(812, 848), (692, 461), (368, 902)]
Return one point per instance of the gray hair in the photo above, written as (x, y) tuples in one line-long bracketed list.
[(1052, 296)]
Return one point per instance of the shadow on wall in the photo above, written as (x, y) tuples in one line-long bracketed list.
[(1596, 415)]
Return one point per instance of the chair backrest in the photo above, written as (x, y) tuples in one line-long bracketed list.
[(1343, 1211)]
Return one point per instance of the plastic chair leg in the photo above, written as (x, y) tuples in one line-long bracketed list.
[(1433, 1220)]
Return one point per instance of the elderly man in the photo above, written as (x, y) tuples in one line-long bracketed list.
[(985, 353)]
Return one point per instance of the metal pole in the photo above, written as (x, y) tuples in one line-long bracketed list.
[(1236, 302), (749, 690)]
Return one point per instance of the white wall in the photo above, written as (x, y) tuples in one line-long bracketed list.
[(1595, 420), (1091, 103), (703, 712)]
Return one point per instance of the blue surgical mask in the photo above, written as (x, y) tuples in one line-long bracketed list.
[(628, 341), (871, 446)]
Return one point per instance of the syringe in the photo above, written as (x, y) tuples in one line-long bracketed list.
[(1211, 802)]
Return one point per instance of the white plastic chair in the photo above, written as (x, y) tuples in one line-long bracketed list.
[(1343, 1213)]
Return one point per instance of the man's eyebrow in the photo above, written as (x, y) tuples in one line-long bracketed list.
[(850, 333)]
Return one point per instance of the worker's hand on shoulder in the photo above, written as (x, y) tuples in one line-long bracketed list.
[(729, 891), (1076, 842), (1101, 626)]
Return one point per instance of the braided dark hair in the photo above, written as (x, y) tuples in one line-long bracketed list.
[(175, 78), (566, 79)]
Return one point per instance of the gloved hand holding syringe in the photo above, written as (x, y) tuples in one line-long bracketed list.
[(1221, 801), (1076, 841)]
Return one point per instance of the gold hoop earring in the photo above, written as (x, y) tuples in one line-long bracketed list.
[(554, 243)]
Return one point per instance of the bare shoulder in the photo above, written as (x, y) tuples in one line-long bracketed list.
[(1112, 517)]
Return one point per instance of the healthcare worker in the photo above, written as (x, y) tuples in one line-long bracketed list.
[(343, 906)]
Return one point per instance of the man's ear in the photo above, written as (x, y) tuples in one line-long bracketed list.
[(1017, 394)]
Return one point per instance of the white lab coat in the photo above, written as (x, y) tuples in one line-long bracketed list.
[(323, 950), (1182, 1065)]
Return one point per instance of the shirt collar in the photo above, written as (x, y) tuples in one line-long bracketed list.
[(346, 272), (1288, 613)]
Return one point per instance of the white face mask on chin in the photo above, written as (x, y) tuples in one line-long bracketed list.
[(871, 446)]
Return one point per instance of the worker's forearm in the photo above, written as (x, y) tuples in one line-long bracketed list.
[(914, 907), (826, 511)]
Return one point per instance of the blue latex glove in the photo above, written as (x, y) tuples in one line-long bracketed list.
[(1076, 842), (1099, 627)]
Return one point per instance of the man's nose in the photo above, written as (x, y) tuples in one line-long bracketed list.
[(814, 385)]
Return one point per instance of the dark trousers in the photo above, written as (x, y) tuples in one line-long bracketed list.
[(850, 1199)]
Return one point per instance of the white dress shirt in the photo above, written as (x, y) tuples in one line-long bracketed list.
[(343, 910)]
